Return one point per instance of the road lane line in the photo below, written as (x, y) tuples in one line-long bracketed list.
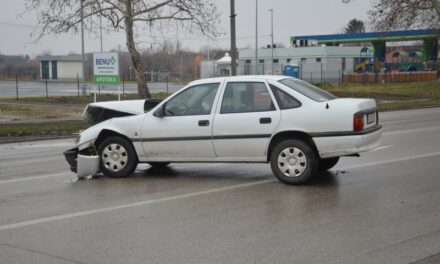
[(33, 178), (408, 120), (381, 148), (182, 196), (411, 130), (124, 206), (390, 161)]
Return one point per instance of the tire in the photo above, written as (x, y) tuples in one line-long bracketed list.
[(293, 161), (117, 157), (326, 164), (158, 164)]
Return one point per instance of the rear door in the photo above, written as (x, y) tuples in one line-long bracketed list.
[(245, 120)]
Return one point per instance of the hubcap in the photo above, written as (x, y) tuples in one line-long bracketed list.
[(114, 157), (292, 162)]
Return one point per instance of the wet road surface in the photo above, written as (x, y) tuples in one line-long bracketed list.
[(383, 207)]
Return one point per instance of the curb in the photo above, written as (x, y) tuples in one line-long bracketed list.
[(18, 139)]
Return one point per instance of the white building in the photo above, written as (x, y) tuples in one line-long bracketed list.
[(317, 64), (60, 67), (221, 67)]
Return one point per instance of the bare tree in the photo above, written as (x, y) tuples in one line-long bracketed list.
[(402, 14), (60, 16)]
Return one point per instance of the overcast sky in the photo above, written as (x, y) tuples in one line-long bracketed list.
[(291, 17)]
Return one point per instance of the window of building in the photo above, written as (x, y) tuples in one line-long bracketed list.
[(318, 59), (261, 61), (275, 61), (248, 61)]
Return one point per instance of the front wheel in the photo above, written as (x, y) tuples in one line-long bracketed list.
[(293, 161), (118, 157), (326, 164)]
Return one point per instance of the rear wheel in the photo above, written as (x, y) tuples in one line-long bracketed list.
[(158, 164), (118, 157), (293, 161), (326, 164)]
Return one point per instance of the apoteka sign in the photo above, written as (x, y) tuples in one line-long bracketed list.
[(106, 68)]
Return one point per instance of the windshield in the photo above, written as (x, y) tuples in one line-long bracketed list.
[(308, 90)]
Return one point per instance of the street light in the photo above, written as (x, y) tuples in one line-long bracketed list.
[(233, 43), (271, 34), (256, 37)]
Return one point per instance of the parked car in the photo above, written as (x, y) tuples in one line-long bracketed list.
[(296, 127)]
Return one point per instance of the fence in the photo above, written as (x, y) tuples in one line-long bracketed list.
[(20, 88), (390, 77)]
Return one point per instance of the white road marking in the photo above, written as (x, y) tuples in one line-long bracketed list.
[(32, 178), (181, 196), (409, 120), (381, 148), (411, 130), (390, 161), (124, 206)]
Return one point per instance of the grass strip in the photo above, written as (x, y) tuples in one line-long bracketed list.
[(58, 128)]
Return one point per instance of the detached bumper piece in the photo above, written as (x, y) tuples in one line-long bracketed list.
[(82, 165), (71, 156)]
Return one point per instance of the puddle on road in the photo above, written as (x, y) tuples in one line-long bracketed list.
[(72, 178)]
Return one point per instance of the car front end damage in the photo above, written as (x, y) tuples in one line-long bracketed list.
[(83, 161), (83, 158)]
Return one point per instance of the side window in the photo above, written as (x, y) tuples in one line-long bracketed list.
[(243, 97), (284, 100), (196, 100)]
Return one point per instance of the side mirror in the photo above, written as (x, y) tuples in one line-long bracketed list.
[(160, 112)]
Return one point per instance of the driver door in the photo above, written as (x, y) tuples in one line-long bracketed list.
[(185, 131)]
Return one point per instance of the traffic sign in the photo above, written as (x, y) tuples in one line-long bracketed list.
[(106, 68)]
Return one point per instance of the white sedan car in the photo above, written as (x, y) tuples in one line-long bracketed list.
[(296, 127)]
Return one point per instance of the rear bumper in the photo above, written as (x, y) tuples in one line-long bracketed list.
[(347, 143)]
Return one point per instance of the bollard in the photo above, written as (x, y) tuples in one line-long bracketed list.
[(16, 85), (47, 93), (77, 82)]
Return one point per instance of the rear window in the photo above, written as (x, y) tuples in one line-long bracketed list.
[(308, 90)]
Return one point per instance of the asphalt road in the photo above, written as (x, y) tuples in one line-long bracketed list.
[(38, 88), (383, 207)]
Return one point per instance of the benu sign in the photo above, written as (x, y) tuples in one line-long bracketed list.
[(106, 68)]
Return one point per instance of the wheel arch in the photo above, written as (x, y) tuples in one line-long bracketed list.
[(292, 134), (105, 133)]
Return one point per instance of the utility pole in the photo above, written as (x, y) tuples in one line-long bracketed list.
[(100, 31), (271, 34), (208, 50), (256, 37), (233, 41), (83, 57)]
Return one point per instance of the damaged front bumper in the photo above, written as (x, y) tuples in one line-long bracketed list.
[(82, 165)]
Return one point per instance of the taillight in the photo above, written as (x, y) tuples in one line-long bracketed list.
[(358, 122)]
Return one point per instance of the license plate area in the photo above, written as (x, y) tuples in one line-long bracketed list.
[(371, 118)]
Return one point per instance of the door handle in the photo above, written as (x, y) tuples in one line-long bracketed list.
[(265, 120), (204, 123)]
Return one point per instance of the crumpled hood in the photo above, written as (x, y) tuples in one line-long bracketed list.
[(95, 113), (134, 107)]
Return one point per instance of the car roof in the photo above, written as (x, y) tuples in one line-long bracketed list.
[(240, 78)]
